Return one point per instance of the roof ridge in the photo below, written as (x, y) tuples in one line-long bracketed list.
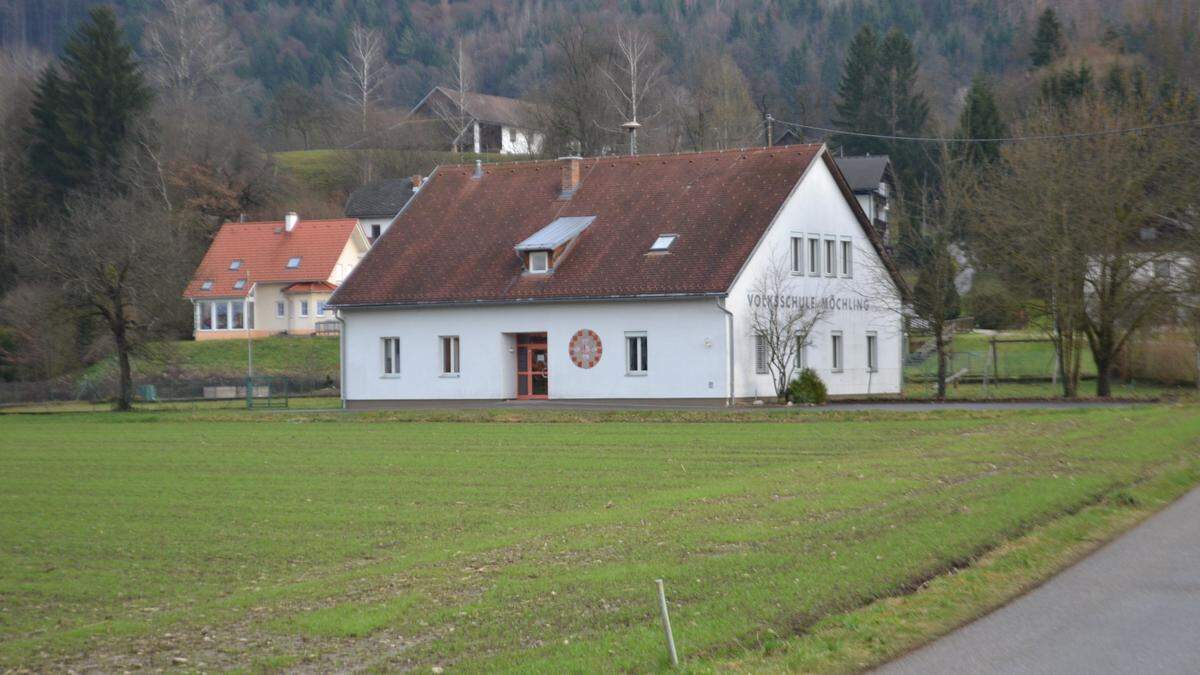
[(798, 148)]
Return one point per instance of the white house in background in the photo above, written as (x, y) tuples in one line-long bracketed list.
[(264, 278), (375, 204), (493, 123), (874, 185), (618, 277)]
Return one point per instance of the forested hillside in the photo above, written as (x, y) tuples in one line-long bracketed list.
[(789, 52)]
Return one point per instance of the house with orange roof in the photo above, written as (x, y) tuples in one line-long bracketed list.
[(267, 278)]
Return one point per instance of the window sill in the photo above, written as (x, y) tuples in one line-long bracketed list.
[(636, 374), (394, 376), (450, 376)]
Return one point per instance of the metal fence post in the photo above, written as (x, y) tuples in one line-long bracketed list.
[(666, 622)]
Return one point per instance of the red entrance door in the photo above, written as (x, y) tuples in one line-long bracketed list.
[(533, 373)]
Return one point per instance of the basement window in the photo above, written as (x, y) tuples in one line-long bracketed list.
[(235, 265), (293, 263), (663, 243), (207, 285)]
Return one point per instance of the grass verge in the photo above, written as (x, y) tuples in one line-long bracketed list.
[(891, 627)]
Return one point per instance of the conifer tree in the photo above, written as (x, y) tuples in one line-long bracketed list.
[(85, 109), (980, 118), (1048, 42), (854, 96)]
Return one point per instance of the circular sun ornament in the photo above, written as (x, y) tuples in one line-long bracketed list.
[(585, 348)]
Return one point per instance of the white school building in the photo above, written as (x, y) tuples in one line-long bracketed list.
[(619, 278)]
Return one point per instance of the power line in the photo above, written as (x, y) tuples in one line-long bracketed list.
[(1009, 139)]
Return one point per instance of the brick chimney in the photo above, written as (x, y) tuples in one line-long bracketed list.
[(416, 181), (570, 175)]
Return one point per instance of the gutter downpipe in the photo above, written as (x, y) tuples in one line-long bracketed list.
[(729, 348), (341, 356)]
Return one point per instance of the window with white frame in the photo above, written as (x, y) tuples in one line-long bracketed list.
[(539, 261), (636, 362), (301, 308), (814, 256), (376, 230), (239, 284), (320, 308), (797, 255), (760, 354), (835, 355), (872, 352), (801, 352), (847, 258), (449, 354), (663, 242), (205, 311), (293, 263), (221, 318), (830, 257), (391, 356), (235, 265), (280, 309), (207, 285)]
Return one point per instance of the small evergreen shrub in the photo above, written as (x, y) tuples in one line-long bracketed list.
[(807, 388)]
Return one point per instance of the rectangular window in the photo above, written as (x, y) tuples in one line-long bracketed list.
[(847, 258), (449, 354), (391, 356), (663, 242), (222, 316), (303, 307), (237, 315), (539, 261), (376, 230), (280, 309), (835, 357), (814, 256), (797, 255), (206, 316), (872, 352), (293, 263), (320, 308), (635, 354), (830, 257), (801, 352), (236, 264), (760, 354)]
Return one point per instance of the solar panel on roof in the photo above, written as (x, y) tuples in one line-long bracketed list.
[(557, 233)]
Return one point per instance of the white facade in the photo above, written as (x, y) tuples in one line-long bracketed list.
[(697, 348)]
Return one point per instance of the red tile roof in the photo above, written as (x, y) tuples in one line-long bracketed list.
[(454, 241), (264, 250), (310, 287)]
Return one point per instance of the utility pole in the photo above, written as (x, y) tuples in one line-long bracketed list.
[(768, 123), (632, 126)]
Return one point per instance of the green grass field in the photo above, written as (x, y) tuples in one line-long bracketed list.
[(409, 539), (280, 355)]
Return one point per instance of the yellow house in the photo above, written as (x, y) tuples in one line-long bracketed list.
[(266, 278)]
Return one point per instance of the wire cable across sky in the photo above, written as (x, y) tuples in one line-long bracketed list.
[(1009, 139)]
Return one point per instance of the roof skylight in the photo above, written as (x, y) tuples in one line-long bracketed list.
[(239, 284), (293, 263), (207, 285), (663, 242), (235, 265)]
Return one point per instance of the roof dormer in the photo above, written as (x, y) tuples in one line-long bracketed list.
[(541, 251)]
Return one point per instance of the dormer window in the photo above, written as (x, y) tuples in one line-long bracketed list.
[(539, 262), (235, 265), (239, 284), (663, 243), (207, 285), (293, 263)]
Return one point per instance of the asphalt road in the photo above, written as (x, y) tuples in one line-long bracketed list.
[(1131, 607)]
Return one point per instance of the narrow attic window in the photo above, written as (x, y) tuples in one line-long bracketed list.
[(207, 285), (239, 284), (235, 265), (539, 261), (293, 263), (663, 243)]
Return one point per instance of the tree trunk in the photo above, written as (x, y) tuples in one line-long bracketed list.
[(939, 339), (125, 395), (1103, 382)]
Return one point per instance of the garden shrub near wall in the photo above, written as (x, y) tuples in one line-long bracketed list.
[(1168, 358)]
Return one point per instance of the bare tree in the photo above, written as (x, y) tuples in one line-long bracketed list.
[(572, 102), (1067, 221), (191, 52), (721, 114), (780, 322), (121, 263), (363, 70), (454, 113), (633, 77)]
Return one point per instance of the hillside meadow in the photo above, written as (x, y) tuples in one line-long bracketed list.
[(511, 540)]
